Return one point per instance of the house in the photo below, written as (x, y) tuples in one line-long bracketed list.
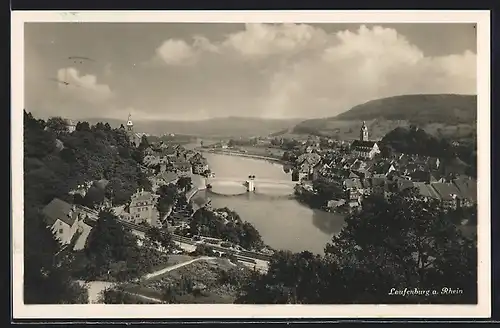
[(424, 176), (62, 218), (353, 189), (182, 168), (468, 191), (167, 177), (333, 204), (70, 125), (142, 208), (448, 194), (403, 184), (65, 221), (426, 191), (200, 165), (384, 169)]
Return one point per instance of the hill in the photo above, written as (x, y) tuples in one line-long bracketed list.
[(441, 114), (216, 127)]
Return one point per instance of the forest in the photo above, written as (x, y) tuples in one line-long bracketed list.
[(55, 162)]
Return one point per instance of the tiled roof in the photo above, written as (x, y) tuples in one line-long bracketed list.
[(404, 184), (142, 196), (467, 188), (182, 165), (446, 190), (352, 183), (363, 145), (59, 209), (169, 176), (426, 190)]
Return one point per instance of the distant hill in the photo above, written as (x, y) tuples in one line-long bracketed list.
[(445, 114), (216, 127)]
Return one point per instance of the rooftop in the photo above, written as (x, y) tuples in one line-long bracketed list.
[(446, 191), (58, 209)]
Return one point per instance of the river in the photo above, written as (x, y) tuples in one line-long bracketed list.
[(283, 222)]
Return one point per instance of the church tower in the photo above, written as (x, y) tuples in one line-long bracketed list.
[(130, 125), (130, 130), (363, 133)]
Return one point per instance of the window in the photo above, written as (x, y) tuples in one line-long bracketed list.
[(61, 231)]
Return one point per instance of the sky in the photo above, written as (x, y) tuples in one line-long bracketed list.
[(188, 71)]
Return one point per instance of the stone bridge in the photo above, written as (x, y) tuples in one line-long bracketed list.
[(252, 183)]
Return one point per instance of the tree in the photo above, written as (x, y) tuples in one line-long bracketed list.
[(58, 125), (402, 242), (185, 183), (144, 143), (46, 278), (167, 198), (93, 197), (160, 238), (108, 244)]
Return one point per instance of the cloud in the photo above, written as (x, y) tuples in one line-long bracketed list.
[(270, 70), (364, 65), (175, 52), (82, 87), (258, 41)]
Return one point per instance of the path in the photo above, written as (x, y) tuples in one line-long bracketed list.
[(175, 266), (152, 299)]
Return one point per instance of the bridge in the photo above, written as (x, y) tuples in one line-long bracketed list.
[(252, 183)]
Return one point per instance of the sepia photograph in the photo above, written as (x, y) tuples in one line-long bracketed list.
[(240, 163)]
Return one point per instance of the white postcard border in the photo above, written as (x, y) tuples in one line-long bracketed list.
[(90, 311)]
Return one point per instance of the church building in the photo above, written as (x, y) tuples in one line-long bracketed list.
[(135, 138), (364, 148)]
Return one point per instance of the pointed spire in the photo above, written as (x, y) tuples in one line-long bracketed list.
[(129, 121)]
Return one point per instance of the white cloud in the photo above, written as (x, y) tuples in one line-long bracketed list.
[(83, 87), (298, 70), (261, 40), (175, 52), (365, 65)]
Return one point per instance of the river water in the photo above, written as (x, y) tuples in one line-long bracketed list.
[(283, 222)]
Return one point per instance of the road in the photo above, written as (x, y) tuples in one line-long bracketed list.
[(175, 266)]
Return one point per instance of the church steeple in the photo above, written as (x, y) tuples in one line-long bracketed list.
[(130, 125), (363, 133)]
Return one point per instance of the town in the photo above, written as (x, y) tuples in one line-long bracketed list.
[(330, 175)]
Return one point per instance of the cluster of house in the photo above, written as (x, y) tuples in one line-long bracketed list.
[(173, 161), (359, 172)]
